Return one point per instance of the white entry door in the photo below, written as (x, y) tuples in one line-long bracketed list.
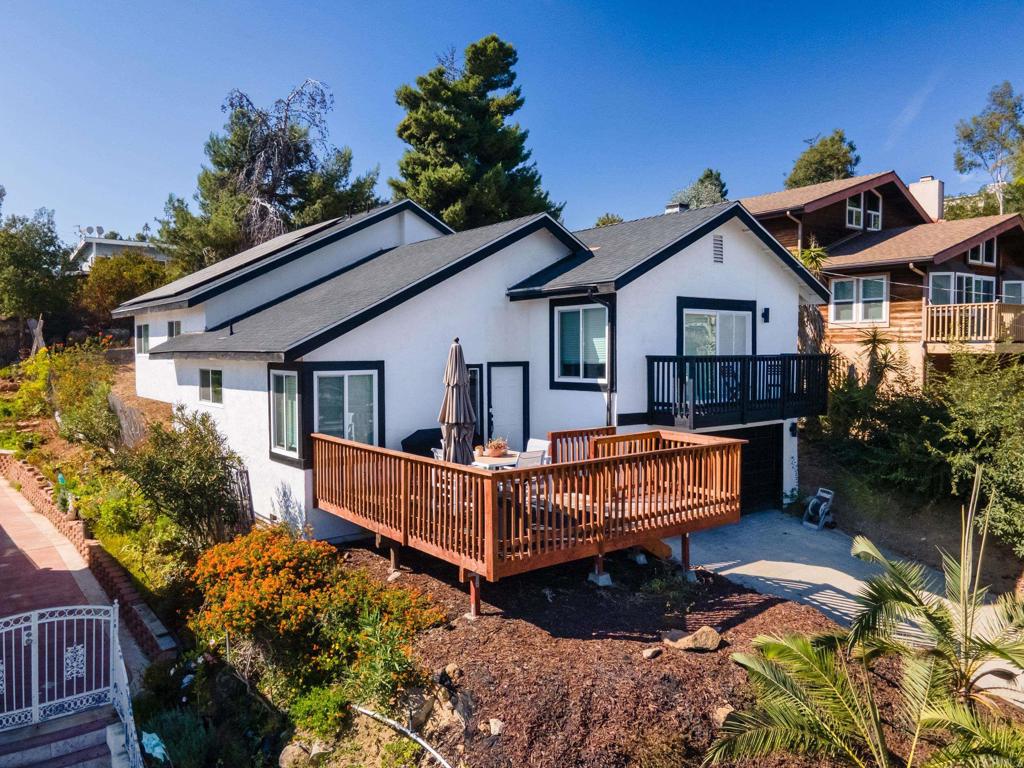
[(506, 390)]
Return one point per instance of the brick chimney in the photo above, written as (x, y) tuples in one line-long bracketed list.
[(930, 193)]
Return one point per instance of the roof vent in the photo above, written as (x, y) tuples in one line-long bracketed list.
[(677, 207), (717, 249)]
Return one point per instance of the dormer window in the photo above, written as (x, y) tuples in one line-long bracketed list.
[(983, 253), (873, 204), (855, 212)]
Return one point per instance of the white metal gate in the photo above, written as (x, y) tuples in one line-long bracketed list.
[(55, 662)]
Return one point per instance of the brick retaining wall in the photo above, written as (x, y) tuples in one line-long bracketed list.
[(149, 632)]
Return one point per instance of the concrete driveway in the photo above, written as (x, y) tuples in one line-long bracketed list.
[(773, 553)]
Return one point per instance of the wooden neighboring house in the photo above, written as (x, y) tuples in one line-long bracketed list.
[(896, 266), (647, 352)]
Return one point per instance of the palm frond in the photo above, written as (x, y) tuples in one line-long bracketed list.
[(978, 741), (820, 673), (769, 730), (895, 596)]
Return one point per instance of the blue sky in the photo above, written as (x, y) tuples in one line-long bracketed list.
[(104, 107)]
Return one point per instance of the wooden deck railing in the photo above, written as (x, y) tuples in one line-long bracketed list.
[(500, 523), (986, 322), (574, 444)]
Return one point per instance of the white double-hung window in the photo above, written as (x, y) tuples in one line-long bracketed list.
[(284, 412), (960, 288), (873, 210), (345, 405), (855, 212), (1013, 292), (581, 343), (860, 299)]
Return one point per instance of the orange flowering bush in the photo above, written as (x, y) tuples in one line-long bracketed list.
[(267, 584), (316, 622)]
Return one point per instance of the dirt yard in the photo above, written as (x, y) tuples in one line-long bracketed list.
[(560, 662), (907, 525)]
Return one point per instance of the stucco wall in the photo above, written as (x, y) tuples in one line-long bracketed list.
[(646, 308), (413, 341), (155, 379)]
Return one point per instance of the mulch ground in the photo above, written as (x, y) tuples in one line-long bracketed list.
[(559, 661)]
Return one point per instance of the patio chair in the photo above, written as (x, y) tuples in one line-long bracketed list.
[(530, 459), (437, 453), (544, 446)]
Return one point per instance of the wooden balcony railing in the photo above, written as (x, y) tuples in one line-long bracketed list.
[(987, 322), (712, 390), (504, 522)]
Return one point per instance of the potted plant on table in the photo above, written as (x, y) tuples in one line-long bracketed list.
[(496, 447)]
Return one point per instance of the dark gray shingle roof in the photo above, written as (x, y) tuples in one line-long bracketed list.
[(618, 248), (190, 285), (278, 328)]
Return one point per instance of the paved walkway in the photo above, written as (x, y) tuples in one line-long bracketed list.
[(39, 568), (773, 553)]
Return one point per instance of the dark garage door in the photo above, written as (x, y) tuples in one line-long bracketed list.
[(761, 470)]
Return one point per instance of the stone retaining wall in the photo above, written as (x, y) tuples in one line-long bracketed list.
[(149, 632)]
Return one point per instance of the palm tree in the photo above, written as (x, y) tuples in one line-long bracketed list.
[(961, 632), (816, 696)]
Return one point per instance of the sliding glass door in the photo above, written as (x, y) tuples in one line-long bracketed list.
[(345, 405)]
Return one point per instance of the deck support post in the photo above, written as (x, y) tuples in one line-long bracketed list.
[(474, 596), (598, 575), (684, 551), (393, 549)]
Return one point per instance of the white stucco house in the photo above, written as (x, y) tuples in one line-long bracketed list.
[(686, 319), (90, 248)]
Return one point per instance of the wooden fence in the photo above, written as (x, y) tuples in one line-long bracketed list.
[(498, 523)]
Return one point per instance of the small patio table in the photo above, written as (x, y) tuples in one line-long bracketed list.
[(500, 462)]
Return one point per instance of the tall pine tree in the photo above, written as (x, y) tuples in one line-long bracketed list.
[(466, 161)]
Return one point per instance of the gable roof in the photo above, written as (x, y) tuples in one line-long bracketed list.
[(938, 241), (620, 253), (305, 319), (815, 196), (227, 273)]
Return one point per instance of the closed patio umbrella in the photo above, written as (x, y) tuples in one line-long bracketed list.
[(457, 418)]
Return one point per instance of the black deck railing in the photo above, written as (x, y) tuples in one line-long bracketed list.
[(706, 391)]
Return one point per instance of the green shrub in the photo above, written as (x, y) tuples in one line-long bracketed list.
[(33, 398), (90, 420), (187, 738), (984, 396), (324, 711), (187, 472), (401, 754)]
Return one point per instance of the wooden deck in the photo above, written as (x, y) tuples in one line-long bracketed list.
[(602, 492), (982, 327)]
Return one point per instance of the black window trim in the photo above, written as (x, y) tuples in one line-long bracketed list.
[(306, 394), (684, 303), (608, 302)]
